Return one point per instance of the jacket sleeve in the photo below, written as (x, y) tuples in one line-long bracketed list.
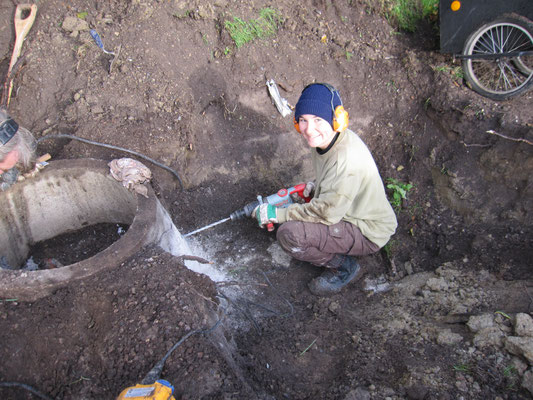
[(334, 197)]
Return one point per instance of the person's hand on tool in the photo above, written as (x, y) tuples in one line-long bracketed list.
[(265, 214), (302, 197), (309, 190), (296, 198)]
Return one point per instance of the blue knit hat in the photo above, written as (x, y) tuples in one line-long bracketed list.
[(318, 99)]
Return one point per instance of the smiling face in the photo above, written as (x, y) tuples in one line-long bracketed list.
[(9, 161), (317, 131)]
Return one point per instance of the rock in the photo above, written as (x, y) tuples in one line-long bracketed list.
[(279, 257), (359, 393), (408, 267), (437, 284), (97, 109), (334, 307), (523, 325), (417, 392), (527, 381), (519, 365), (205, 12), (74, 24), (478, 322), (491, 336), (461, 384), (520, 346), (447, 337)]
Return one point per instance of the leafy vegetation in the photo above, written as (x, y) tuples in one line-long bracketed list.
[(266, 25), (407, 13), (399, 192), (456, 72), (464, 368)]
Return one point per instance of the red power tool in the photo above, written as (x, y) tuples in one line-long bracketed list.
[(280, 199)]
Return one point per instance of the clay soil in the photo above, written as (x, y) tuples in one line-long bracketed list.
[(180, 92)]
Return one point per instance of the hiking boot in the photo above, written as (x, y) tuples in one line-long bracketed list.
[(334, 279)]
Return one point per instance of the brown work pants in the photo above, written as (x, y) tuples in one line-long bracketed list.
[(319, 243)]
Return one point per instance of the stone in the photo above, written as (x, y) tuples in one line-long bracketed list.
[(437, 284), (447, 337), (520, 346), (519, 365), (359, 393), (478, 322), (527, 381), (417, 392), (74, 24), (491, 336), (523, 325)]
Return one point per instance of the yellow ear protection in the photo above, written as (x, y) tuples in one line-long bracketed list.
[(340, 115)]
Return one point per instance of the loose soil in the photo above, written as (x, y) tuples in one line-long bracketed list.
[(181, 93), (72, 247)]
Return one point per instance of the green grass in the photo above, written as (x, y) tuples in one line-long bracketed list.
[(406, 14), (464, 368), (455, 72), (242, 31)]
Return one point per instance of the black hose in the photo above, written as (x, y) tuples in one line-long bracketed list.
[(155, 372), (27, 387), (109, 146)]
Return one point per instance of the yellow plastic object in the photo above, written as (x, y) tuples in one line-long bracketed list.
[(456, 5), (159, 390)]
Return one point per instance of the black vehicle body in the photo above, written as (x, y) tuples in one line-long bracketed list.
[(456, 26), (494, 41)]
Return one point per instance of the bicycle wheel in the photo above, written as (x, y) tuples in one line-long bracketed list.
[(500, 77)]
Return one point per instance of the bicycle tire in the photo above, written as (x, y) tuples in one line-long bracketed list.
[(500, 78)]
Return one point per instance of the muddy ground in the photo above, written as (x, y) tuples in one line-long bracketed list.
[(441, 310)]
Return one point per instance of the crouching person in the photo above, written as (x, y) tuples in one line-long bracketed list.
[(349, 213)]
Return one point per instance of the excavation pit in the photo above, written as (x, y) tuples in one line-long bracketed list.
[(67, 196)]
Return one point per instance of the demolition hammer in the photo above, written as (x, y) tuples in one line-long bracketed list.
[(281, 199)]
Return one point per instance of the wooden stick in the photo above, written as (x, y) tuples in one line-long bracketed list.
[(22, 27)]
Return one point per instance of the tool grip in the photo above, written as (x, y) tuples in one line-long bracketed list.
[(299, 189), (97, 38)]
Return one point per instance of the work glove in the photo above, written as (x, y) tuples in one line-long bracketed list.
[(309, 190), (265, 214)]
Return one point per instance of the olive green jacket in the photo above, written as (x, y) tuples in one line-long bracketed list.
[(348, 188)]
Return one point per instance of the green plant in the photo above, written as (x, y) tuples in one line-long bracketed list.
[(186, 14), (392, 86), (349, 55), (511, 376), (399, 192), (502, 314), (441, 68), (308, 347), (243, 32), (462, 368), (458, 73), (480, 114), (407, 13), (510, 371), (227, 51), (388, 248)]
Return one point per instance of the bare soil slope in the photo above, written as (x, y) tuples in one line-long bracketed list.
[(180, 92)]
